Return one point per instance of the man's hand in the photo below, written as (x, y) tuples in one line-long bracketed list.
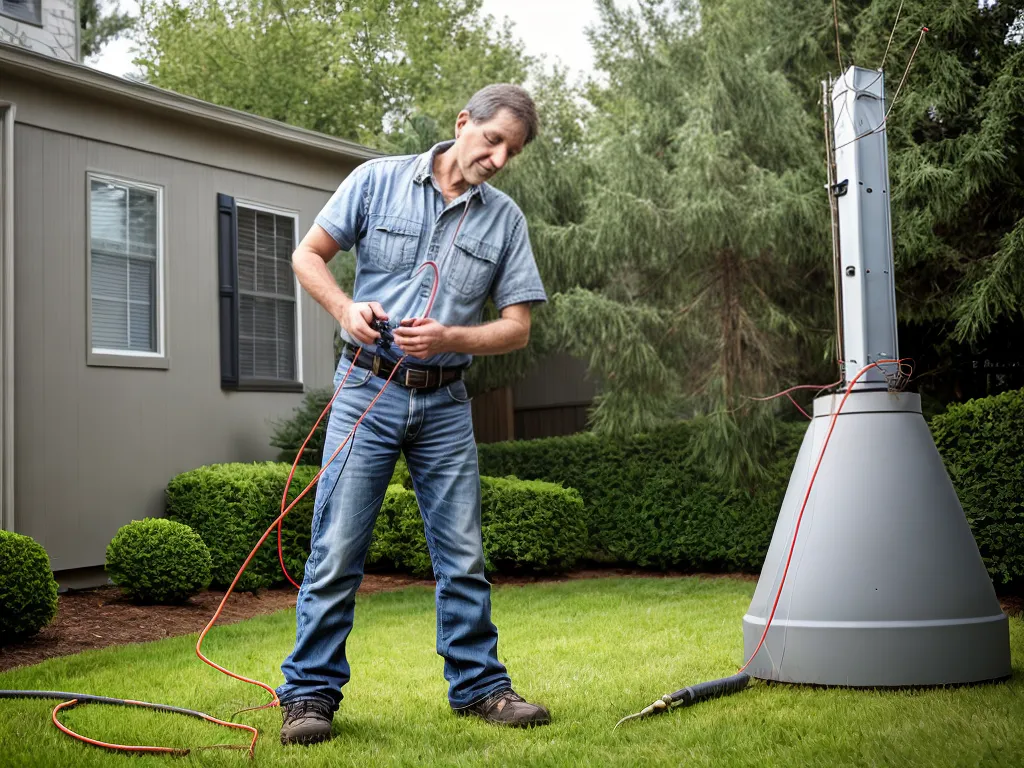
[(422, 337), (355, 318)]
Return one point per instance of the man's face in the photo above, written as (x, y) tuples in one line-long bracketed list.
[(482, 149)]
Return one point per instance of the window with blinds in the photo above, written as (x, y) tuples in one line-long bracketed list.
[(24, 10), (259, 312), (266, 295), (124, 243)]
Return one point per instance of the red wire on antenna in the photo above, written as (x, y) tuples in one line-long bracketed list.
[(807, 496)]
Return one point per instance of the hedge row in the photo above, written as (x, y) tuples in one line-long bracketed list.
[(650, 502), (982, 443), (527, 526)]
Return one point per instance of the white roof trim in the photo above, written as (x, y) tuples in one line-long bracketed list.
[(83, 79)]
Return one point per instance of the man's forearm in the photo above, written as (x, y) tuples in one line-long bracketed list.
[(494, 338), (317, 280)]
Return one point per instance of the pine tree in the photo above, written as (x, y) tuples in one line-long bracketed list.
[(956, 153), (702, 260), (957, 148)]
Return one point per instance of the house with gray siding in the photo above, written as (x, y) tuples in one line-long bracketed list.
[(150, 321)]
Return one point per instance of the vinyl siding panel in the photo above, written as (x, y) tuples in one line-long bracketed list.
[(97, 445)]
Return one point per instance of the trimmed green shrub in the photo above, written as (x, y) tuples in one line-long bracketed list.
[(532, 526), (650, 501), (982, 444), (401, 474), (155, 560), (398, 539), (529, 525), (231, 505), (28, 591)]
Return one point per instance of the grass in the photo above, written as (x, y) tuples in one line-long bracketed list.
[(591, 650)]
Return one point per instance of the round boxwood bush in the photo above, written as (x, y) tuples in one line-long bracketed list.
[(28, 591), (156, 560)]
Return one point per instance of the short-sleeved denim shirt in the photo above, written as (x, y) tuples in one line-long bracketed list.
[(392, 211)]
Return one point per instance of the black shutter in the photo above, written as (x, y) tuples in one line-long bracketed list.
[(227, 237)]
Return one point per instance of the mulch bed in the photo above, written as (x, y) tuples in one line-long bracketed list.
[(96, 618)]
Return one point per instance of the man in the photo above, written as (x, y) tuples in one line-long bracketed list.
[(399, 212)]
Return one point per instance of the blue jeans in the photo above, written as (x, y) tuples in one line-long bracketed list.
[(435, 431)]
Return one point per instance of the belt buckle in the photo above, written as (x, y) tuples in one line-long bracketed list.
[(415, 379), (375, 368)]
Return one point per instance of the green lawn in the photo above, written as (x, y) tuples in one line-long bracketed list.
[(592, 650)]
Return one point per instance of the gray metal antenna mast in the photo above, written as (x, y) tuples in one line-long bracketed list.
[(886, 586), (866, 278)]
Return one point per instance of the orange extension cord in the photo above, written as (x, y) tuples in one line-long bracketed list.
[(285, 510), (75, 699)]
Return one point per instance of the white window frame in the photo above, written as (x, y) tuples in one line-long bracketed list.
[(123, 357), (293, 214)]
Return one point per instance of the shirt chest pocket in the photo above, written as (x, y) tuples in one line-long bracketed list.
[(391, 242), (472, 266)]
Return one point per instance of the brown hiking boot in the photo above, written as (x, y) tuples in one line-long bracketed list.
[(508, 708), (306, 721)]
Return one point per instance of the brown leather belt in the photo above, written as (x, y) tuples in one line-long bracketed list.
[(411, 376)]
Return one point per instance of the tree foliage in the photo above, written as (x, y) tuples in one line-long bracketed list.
[(354, 70), (955, 137), (676, 200), (98, 27), (549, 182), (701, 228)]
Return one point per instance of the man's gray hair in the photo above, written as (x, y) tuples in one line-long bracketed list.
[(487, 102)]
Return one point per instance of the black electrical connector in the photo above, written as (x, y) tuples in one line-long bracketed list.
[(382, 327)]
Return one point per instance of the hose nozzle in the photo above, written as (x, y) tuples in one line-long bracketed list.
[(685, 697), (658, 706)]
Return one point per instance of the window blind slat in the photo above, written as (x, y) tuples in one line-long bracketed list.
[(246, 319), (286, 339), (246, 357), (109, 324), (284, 247), (109, 276), (141, 280), (141, 328)]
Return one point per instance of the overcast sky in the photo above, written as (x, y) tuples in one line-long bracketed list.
[(553, 28)]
